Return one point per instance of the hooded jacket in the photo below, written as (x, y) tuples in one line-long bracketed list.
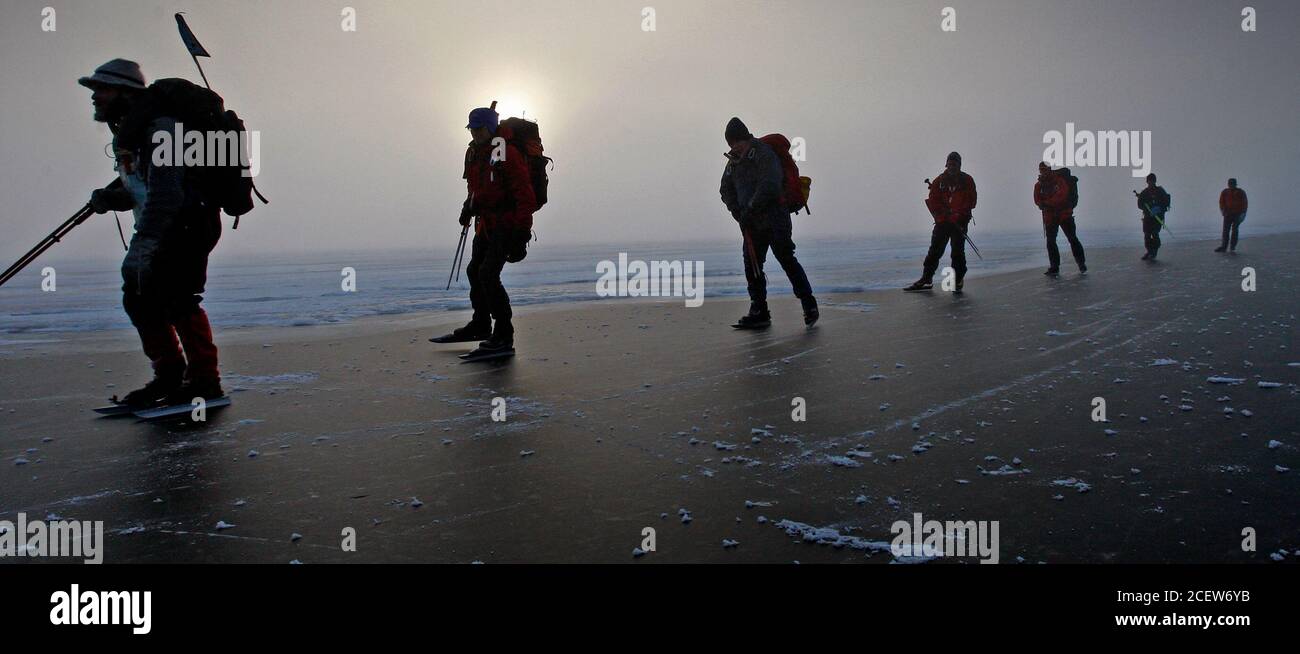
[(751, 187)]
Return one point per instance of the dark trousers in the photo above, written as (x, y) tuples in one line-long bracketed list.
[(1230, 225), (164, 304), (1151, 235), (945, 234), (1053, 254), (486, 292), (777, 237)]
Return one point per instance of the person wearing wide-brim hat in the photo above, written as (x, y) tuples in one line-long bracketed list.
[(165, 268), (114, 86)]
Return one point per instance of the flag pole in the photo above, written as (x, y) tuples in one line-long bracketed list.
[(192, 44), (205, 77)]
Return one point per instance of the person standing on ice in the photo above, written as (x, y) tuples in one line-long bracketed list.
[(501, 202), (751, 191), (166, 264), (952, 198), (1052, 195), (1232, 204), (1154, 202)]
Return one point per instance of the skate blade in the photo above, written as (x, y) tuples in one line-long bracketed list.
[(471, 357), (180, 410), (114, 410), (456, 339)]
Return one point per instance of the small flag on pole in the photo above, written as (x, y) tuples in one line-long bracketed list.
[(191, 43)]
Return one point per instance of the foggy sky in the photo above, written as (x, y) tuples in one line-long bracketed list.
[(363, 133)]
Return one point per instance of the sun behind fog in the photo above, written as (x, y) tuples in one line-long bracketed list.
[(514, 106)]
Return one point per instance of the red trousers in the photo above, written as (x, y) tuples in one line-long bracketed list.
[(175, 335)]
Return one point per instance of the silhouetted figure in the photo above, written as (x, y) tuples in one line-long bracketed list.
[(1232, 204), (952, 198), (165, 268)]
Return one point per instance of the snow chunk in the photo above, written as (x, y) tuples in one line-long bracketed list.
[(1225, 380), (829, 536), (1076, 484)]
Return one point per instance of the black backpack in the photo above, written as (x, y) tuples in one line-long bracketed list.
[(1073, 197), (198, 109), (525, 137)]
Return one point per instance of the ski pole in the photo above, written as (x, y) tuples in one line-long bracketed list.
[(461, 260), (48, 242), (972, 245), (753, 256), (455, 258)]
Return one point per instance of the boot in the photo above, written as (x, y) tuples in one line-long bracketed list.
[(810, 312), (1221, 248), (758, 317), (498, 342), (920, 285), (493, 348), (164, 383), (207, 388), (474, 331)]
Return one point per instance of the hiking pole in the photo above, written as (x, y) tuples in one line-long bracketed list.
[(456, 258), (753, 256), (62, 230), (972, 245), (48, 242), (461, 260)]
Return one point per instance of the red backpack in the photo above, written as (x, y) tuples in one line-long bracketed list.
[(794, 188), (523, 134)]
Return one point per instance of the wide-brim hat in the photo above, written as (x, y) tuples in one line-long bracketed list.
[(118, 72)]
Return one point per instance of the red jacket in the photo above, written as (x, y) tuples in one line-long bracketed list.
[(500, 192), (952, 197), (1232, 202), (1052, 195)]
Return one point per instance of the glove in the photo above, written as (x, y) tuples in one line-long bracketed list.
[(104, 200), (465, 215)]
